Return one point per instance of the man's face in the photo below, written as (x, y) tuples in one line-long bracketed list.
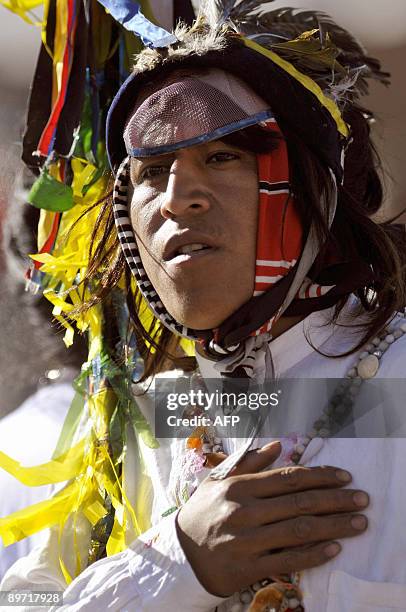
[(194, 213)]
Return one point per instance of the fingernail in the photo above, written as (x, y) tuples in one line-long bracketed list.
[(360, 499), (359, 522), (332, 549), (343, 476)]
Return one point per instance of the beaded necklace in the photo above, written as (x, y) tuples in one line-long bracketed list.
[(282, 593)]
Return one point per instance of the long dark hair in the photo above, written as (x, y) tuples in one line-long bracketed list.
[(380, 245)]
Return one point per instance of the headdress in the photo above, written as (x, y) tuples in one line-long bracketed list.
[(282, 55)]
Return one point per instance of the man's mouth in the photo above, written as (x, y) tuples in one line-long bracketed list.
[(186, 247), (189, 253), (191, 248)]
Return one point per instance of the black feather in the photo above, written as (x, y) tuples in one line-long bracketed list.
[(224, 8), (246, 7)]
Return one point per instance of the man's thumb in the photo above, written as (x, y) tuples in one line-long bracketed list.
[(258, 459)]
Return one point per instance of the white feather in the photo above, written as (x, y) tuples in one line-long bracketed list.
[(216, 12)]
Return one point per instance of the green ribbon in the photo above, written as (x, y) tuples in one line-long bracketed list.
[(50, 194)]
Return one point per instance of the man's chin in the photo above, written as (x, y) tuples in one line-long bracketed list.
[(199, 318), (199, 309)]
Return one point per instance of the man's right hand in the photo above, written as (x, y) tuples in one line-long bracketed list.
[(256, 524)]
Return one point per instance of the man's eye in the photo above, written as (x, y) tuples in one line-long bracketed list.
[(152, 172), (222, 156)]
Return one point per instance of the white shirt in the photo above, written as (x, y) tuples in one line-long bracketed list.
[(153, 574)]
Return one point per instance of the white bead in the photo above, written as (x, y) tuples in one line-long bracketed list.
[(363, 354), (369, 347), (299, 448), (397, 334), (306, 441), (389, 338), (368, 367), (383, 345), (257, 586), (402, 327), (324, 433), (376, 341), (352, 373), (216, 448), (293, 603), (237, 607)]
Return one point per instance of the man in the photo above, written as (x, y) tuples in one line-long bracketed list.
[(247, 230)]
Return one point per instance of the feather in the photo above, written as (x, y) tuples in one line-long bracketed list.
[(246, 7), (216, 12), (308, 50), (345, 89)]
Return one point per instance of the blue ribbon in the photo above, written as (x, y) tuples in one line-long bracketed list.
[(129, 14)]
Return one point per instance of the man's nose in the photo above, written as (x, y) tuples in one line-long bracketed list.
[(186, 192)]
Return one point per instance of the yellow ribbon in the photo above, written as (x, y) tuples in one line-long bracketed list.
[(21, 8), (42, 515), (90, 466), (65, 467)]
